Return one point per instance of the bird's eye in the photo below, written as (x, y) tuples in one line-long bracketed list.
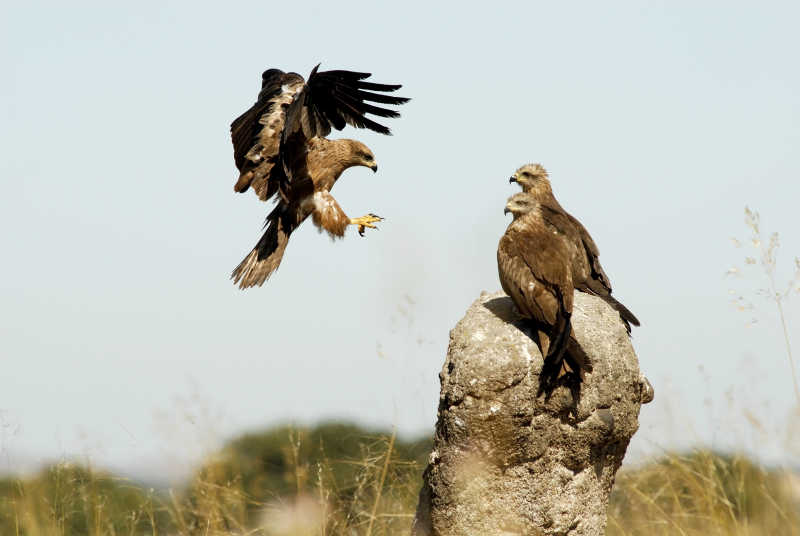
[(367, 156)]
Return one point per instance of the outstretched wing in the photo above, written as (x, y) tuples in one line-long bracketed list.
[(330, 99), (339, 98), (256, 134), (270, 138)]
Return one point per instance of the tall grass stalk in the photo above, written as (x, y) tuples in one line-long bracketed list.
[(767, 253), (383, 479)]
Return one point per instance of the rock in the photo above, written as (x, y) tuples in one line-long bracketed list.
[(508, 462)]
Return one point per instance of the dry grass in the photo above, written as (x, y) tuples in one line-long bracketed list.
[(700, 494), (377, 498), (704, 494), (66, 499)]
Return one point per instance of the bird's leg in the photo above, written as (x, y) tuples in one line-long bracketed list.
[(365, 221), (544, 342)]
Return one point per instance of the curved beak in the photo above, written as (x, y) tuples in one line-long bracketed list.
[(512, 179), (374, 167), (506, 211)]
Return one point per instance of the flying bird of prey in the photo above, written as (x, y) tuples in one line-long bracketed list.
[(588, 275), (534, 262), (281, 151)]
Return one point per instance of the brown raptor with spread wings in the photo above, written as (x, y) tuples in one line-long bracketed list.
[(281, 151)]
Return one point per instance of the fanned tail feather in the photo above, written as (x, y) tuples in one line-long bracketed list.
[(627, 317), (265, 257)]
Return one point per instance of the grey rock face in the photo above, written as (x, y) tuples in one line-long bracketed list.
[(508, 462)]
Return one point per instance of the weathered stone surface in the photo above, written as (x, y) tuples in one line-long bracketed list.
[(508, 462)]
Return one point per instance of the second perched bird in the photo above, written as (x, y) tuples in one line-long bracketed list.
[(588, 275)]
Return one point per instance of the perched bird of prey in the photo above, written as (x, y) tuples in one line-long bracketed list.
[(588, 275), (281, 151), (534, 262)]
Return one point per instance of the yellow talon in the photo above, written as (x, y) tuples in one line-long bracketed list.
[(365, 221)]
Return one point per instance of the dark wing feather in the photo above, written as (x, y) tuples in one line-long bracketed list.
[(353, 102), (340, 97), (588, 254), (242, 135), (245, 127), (587, 272), (592, 253), (329, 99), (305, 114), (303, 122), (270, 139), (377, 97), (256, 133)]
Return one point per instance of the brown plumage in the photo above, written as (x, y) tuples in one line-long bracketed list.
[(280, 148), (324, 163), (534, 263), (588, 274)]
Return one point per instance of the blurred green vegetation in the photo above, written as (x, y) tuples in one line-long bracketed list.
[(280, 461), (339, 478), (70, 499), (338, 463)]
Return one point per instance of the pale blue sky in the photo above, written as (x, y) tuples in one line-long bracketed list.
[(122, 338)]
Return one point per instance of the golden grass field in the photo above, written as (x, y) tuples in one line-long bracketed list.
[(286, 482)]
